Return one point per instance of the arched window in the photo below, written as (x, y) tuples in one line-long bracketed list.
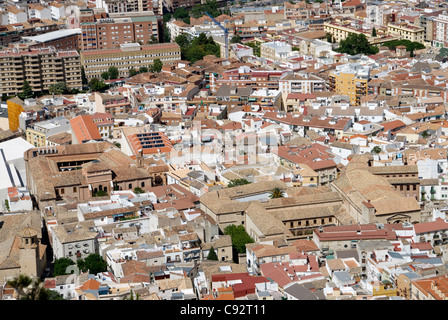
[(130, 186), (143, 184)]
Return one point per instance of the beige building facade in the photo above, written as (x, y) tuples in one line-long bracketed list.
[(131, 55), (40, 67)]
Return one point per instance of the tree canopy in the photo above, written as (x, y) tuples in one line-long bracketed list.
[(276, 193), (237, 182), (28, 288), (410, 45), (92, 263), (239, 237), (182, 14), (356, 44), (61, 265), (156, 66), (113, 72), (210, 6), (59, 88), (197, 48), (97, 85), (212, 254), (376, 149), (27, 91)]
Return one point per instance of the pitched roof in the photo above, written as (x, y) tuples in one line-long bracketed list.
[(84, 128), (432, 226)]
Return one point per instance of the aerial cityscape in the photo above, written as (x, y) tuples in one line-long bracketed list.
[(197, 150)]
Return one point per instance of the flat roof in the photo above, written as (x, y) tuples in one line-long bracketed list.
[(49, 36)]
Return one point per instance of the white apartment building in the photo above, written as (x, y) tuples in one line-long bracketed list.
[(440, 27), (37, 11), (275, 50), (57, 10)]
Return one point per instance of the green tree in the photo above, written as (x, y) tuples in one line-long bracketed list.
[(20, 283), (212, 254), (36, 291), (153, 40), (210, 6), (276, 193), (61, 265), (53, 295), (138, 190), (131, 296), (105, 75), (143, 70), (376, 149), (356, 44), (113, 72), (194, 54), (97, 85), (373, 32), (166, 34), (182, 14), (58, 88), (237, 182), (100, 193), (235, 39), (410, 45), (182, 40), (92, 263), (239, 237), (27, 91), (255, 47), (28, 288), (83, 77), (167, 17), (132, 72), (157, 66), (195, 49)]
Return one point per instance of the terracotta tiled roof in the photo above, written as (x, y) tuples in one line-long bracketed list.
[(84, 128)]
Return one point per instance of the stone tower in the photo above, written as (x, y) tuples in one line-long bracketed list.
[(29, 252)]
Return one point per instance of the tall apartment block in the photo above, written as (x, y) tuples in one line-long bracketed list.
[(131, 55), (119, 6), (40, 67), (113, 29), (172, 5), (351, 80)]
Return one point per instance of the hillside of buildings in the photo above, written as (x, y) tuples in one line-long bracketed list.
[(223, 150)]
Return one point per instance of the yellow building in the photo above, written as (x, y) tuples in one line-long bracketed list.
[(35, 137), (15, 108), (340, 30), (350, 80), (305, 177), (407, 32), (38, 134)]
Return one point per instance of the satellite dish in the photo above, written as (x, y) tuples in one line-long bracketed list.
[(72, 14)]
